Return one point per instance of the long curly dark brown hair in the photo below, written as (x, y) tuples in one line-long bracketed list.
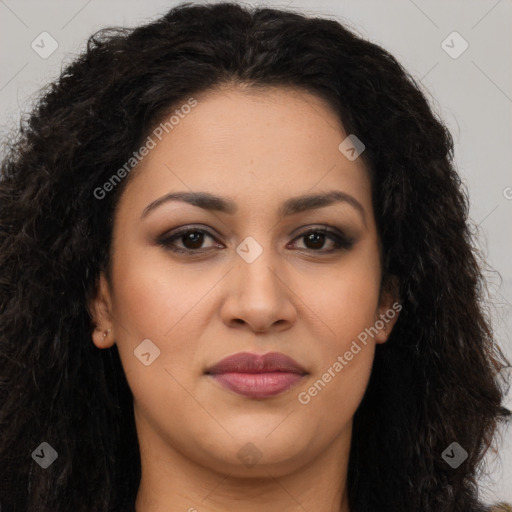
[(438, 380)]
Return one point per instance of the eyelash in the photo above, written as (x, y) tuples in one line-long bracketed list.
[(341, 240)]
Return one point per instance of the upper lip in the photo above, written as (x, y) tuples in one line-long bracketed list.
[(246, 362)]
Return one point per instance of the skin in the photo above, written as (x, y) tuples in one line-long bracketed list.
[(258, 148)]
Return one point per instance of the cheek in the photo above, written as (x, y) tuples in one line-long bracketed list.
[(163, 303), (159, 303), (344, 356), (346, 305), (346, 300)]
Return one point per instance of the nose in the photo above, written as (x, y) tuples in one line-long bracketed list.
[(258, 296)]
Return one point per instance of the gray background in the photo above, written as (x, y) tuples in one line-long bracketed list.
[(472, 93)]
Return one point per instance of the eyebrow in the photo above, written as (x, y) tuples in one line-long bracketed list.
[(291, 206)]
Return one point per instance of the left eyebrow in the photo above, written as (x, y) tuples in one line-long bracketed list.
[(290, 207)]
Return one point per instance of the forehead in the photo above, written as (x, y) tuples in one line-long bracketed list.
[(265, 144)]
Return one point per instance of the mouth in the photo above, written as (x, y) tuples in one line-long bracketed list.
[(257, 376)]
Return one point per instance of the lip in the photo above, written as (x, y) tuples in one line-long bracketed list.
[(256, 375)]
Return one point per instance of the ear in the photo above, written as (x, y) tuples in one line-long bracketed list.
[(388, 310), (100, 309)]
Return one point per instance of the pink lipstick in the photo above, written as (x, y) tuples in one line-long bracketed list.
[(257, 376)]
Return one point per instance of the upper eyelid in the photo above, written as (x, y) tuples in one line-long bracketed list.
[(188, 228)]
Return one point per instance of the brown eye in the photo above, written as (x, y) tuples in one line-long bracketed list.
[(314, 240), (191, 239)]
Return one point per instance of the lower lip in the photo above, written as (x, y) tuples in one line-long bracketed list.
[(258, 385)]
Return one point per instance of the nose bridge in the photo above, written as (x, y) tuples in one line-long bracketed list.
[(259, 296), (257, 264)]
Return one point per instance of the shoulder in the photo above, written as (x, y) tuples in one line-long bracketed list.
[(501, 507)]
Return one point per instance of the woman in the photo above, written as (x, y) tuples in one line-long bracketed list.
[(238, 273)]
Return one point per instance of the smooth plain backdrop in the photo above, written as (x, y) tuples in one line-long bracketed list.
[(460, 52)]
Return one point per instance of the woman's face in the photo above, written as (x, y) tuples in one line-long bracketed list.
[(261, 277)]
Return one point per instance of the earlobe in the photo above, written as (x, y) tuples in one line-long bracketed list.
[(102, 339), (100, 309), (388, 311), (385, 323)]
